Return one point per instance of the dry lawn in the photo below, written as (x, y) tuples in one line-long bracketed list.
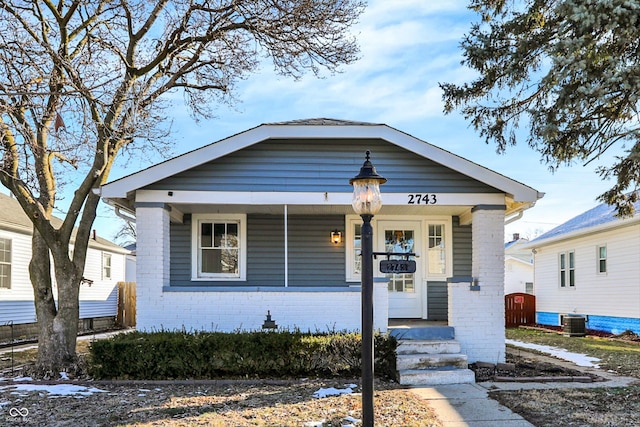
[(217, 404), (597, 407)]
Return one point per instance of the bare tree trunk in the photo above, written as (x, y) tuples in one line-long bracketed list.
[(58, 326)]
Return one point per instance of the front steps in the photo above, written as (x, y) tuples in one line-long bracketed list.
[(430, 356)]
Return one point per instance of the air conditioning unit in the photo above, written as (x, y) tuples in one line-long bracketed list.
[(573, 326)]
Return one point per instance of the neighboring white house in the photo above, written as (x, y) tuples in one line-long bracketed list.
[(590, 266), (518, 266), (105, 267), (262, 222)]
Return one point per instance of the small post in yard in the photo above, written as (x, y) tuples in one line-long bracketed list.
[(366, 203)]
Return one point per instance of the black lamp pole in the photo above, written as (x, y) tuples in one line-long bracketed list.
[(366, 235), (366, 203)]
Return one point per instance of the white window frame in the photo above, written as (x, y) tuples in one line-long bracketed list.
[(352, 220), (567, 271), (351, 274), (599, 259), (8, 263), (107, 270), (196, 220), (448, 248)]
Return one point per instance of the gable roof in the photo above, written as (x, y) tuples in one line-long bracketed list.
[(602, 217), (317, 128), (13, 218)]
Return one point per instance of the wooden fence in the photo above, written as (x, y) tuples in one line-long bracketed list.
[(126, 304), (520, 309)]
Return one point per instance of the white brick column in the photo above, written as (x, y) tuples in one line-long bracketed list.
[(477, 313), (152, 264)]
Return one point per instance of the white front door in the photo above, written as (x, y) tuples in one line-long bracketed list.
[(406, 289)]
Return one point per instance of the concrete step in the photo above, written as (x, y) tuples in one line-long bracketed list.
[(425, 333), (438, 376), (430, 361), (428, 347)]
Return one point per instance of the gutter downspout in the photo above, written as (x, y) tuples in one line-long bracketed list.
[(128, 218), (514, 218)]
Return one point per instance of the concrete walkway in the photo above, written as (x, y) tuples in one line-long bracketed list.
[(468, 405)]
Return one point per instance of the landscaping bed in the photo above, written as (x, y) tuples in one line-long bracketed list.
[(522, 367)]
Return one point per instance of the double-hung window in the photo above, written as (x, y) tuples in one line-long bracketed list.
[(602, 259), (106, 266), (219, 247), (567, 261), (5, 263)]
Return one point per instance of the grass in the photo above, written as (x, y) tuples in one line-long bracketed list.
[(585, 407), (22, 357), (622, 357)]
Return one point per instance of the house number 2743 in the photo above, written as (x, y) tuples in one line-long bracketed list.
[(422, 199)]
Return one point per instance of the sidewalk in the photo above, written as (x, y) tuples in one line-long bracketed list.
[(468, 405)]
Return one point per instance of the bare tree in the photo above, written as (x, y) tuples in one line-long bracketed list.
[(82, 81)]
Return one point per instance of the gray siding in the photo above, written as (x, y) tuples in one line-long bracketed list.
[(437, 293), (319, 165), (313, 259), (437, 300), (461, 248)]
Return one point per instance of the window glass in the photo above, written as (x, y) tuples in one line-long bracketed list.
[(357, 249), (219, 248), (400, 241), (437, 253), (5, 263), (602, 259), (106, 266), (563, 270), (572, 271)]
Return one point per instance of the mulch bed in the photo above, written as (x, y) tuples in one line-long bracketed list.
[(519, 367)]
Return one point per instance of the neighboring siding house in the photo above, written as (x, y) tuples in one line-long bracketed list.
[(590, 266), (518, 267), (243, 226), (98, 302)]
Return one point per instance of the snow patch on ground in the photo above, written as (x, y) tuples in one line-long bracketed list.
[(54, 389), (332, 391), (578, 359)]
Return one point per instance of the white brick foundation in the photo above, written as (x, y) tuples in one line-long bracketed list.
[(478, 316), (229, 311)]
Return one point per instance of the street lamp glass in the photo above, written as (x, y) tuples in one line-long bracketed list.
[(366, 196)]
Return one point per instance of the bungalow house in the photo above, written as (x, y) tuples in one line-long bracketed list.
[(518, 266), (589, 267), (261, 222), (98, 295)]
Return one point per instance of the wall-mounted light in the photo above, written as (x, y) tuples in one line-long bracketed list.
[(336, 237)]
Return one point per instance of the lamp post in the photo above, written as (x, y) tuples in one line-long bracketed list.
[(366, 203)]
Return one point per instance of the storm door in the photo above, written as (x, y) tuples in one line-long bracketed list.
[(405, 289)]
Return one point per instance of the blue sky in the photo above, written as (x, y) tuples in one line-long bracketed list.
[(407, 48)]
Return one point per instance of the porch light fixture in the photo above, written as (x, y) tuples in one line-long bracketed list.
[(336, 237), (366, 203)]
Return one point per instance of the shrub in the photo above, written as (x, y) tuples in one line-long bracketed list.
[(211, 355)]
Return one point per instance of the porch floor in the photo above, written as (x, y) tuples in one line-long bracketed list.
[(420, 329), (415, 323)]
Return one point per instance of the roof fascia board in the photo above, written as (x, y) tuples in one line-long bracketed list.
[(122, 186), (519, 191), (583, 232), (518, 260)]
